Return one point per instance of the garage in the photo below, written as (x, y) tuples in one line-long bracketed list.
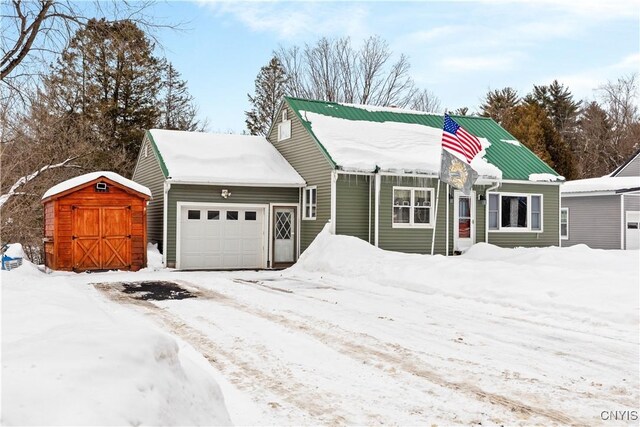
[(217, 236)]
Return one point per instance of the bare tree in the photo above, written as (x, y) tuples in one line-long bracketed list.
[(425, 100), (333, 70)]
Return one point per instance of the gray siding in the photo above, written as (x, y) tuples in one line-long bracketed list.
[(148, 173), (593, 221), (550, 218), (211, 194), (632, 168), (306, 157), (352, 198)]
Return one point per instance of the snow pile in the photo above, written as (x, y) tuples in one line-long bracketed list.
[(545, 177), (605, 183), (14, 250), (154, 257), (83, 179), (567, 279), (83, 360), (358, 145), (223, 158)]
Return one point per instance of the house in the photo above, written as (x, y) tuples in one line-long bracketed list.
[(603, 212), (96, 221), (373, 172), (219, 201)]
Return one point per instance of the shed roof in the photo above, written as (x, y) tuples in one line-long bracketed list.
[(363, 137), (79, 181), (201, 157)]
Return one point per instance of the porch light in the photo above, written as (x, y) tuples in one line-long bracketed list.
[(225, 194)]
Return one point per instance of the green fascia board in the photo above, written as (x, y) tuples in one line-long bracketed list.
[(515, 161), (163, 166)]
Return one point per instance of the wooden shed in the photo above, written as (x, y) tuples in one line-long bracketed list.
[(96, 221)]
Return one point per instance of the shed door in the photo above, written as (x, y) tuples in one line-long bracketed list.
[(221, 237), (632, 229), (101, 238)]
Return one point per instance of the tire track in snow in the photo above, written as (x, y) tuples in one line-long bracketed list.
[(295, 393), (391, 356)]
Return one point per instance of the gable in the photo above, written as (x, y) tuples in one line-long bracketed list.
[(629, 168)]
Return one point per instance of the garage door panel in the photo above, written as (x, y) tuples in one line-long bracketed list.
[(222, 237)]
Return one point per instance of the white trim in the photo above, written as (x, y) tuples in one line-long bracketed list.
[(304, 203), (623, 225), (165, 210), (343, 172), (528, 229), (409, 175), (433, 233), (334, 191), (376, 225), (497, 185), (560, 223), (265, 224), (297, 229), (411, 207), (235, 184), (456, 220), (560, 218)]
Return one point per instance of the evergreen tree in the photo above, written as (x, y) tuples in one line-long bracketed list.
[(178, 111), (269, 90), (560, 106), (531, 126), (499, 104), (109, 76)]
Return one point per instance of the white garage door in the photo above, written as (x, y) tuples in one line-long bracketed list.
[(221, 237), (632, 237)]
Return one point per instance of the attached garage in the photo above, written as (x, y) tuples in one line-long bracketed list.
[(220, 201), (95, 221)]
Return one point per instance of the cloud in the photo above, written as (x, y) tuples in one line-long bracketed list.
[(288, 20)]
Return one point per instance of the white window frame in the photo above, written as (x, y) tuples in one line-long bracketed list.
[(284, 124), (567, 236), (306, 199), (411, 224), (528, 229)]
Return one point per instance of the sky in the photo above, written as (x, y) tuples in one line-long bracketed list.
[(459, 50)]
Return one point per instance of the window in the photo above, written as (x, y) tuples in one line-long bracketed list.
[(213, 215), (284, 128), (309, 202), (193, 214), (232, 215), (515, 212), (146, 150), (564, 223), (412, 207), (250, 216)]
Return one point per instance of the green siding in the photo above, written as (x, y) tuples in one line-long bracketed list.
[(550, 218), (352, 198), (149, 173), (412, 240), (514, 160), (306, 157), (211, 194)]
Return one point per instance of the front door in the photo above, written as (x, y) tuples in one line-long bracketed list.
[(464, 229), (284, 236)]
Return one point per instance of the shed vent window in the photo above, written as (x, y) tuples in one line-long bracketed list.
[(102, 187)]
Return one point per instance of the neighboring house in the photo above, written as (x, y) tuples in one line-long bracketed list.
[(219, 201), (604, 212), (374, 173)]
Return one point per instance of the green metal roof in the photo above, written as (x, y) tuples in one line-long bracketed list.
[(515, 161)]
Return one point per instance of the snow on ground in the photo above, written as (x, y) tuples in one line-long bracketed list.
[(350, 335)]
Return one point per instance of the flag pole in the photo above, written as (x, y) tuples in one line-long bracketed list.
[(435, 220)]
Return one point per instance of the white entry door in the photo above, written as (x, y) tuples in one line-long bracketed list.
[(464, 213), (221, 237), (632, 229), (284, 235)]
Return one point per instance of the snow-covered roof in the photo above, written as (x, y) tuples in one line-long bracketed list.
[(83, 179), (223, 159), (361, 145), (545, 177), (602, 184)]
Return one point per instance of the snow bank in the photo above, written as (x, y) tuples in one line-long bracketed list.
[(154, 257), (222, 158), (85, 361), (545, 177), (14, 250), (605, 183), (83, 179), (575, 279), (359, 145)]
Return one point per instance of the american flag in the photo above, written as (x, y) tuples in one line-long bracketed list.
[(458, 140)]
